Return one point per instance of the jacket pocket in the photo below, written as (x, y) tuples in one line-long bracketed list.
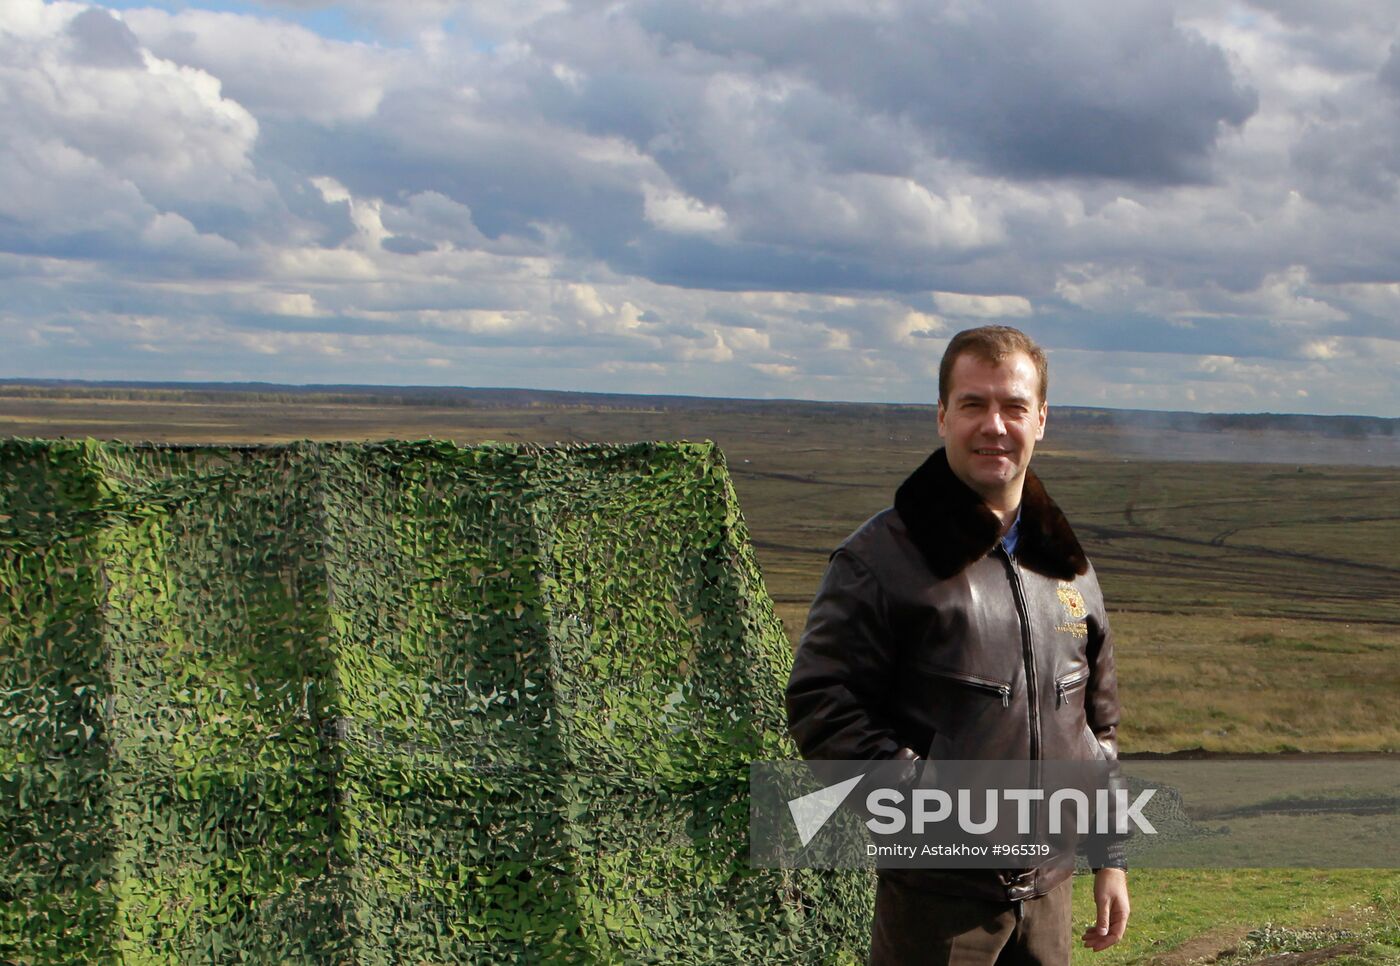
[(959, 709), (1067, 684), (1000, 689)]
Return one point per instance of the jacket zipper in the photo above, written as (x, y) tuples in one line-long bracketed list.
[(996, 687), (1032, 688), (1027, 651), (1068, 683)]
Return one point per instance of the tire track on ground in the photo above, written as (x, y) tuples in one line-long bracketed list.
[(1104, 532), (807, 480)]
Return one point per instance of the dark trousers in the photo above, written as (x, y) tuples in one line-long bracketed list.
[(917, 928)]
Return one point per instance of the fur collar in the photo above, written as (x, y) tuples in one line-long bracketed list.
[(952, 527)]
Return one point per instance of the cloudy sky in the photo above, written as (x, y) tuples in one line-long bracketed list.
[(1193, 205)]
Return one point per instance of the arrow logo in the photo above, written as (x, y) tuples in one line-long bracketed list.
[(810, 811)]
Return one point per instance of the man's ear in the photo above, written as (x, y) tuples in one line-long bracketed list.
[(1040, 428), (941, 433)]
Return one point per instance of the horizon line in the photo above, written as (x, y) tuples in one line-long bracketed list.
[(260, 385)]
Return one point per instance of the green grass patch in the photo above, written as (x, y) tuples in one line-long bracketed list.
[(1183, 914)]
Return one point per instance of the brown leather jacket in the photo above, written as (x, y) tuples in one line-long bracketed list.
[(926, 635)]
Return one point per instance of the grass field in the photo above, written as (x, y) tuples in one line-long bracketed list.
[(1255, 605), (1186, 916)]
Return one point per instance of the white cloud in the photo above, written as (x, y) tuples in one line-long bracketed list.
[(780, 371), (112, 150), (1286, 297), (982, 306), (277, 69), (1215, 365), (169, 232), (921, 325), (293, 304), (674, 211), (1320, 349), (1097, 287)]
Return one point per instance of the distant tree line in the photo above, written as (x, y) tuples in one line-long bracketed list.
[(1083, 417)]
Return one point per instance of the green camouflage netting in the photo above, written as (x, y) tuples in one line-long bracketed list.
[(402, 702)]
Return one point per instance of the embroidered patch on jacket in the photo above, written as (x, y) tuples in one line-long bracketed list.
[(1073, 602)]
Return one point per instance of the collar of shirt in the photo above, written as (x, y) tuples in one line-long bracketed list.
[(1009, 538)]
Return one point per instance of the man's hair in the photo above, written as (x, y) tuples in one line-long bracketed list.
[(991, 344)]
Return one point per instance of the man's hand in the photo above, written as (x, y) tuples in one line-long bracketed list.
[(1111, 901)]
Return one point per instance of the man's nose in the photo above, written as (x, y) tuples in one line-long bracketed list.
[(994, 425)]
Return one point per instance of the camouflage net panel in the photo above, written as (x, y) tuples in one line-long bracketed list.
[(402, 702)]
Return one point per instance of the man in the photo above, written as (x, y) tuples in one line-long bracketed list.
[(965, 622)]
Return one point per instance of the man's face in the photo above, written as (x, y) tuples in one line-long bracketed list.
[(990, 425)]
